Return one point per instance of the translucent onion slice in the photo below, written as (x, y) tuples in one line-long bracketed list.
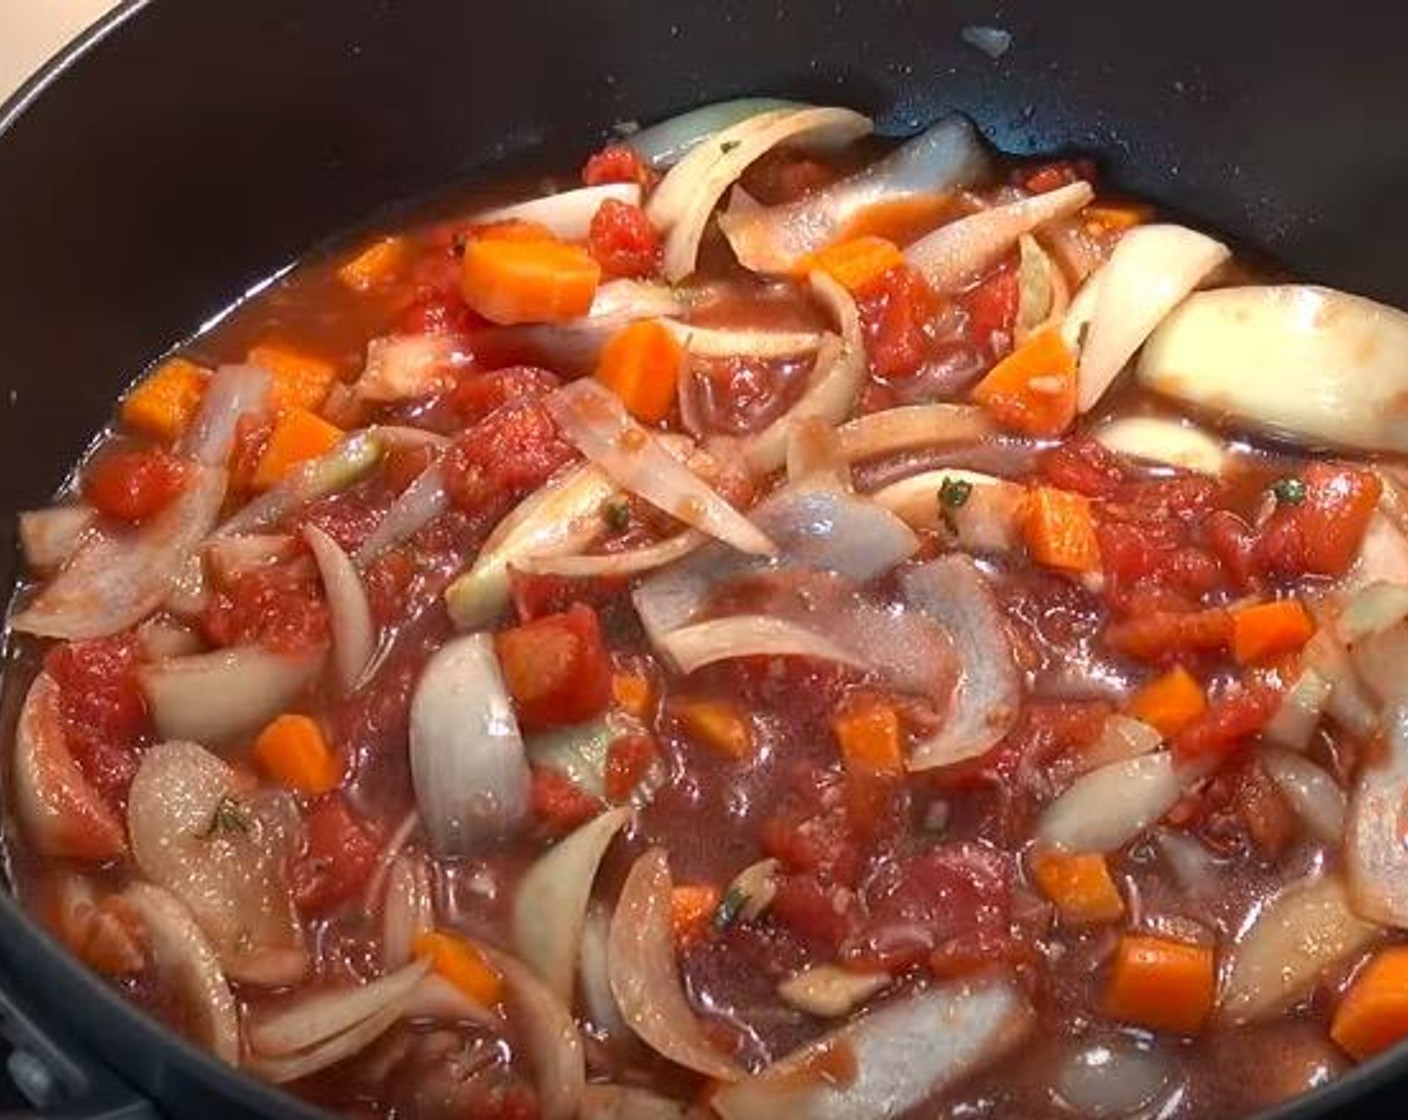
[(1043, 294), (664, 143), (345, 464), (622, 1102), (349, 612), (592, 417), (312, 1019), (960, 252), (1375, 855), (1383, 554), (728, 342), (231, 393), (615, 564), (915, 1046), (1313, 794), (598, 1002), (913, 428), (408, 910), (561, 518), (232, 557), (944, 157), (1121, 738), (645, 978), (1296, 719), (63, 815), (467, 759), (291, 1067), (1306, 929), (550, 906), (1106, 808), (50, 536), (187, 966), (568, 214), (989, 519), (224, 695), (1151, 270), (750, 635), (405, 366), (1171, 443), (832, 386), (1311, 365), (1116, 1078), (417, 506), (955, 593), (1373, 609), (115, 580), (693, 187)]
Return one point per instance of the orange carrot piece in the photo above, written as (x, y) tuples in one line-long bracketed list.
[(1110, 217), (1080, 885), (298, 436), (376, 265), (534, 281), (1373, 1015), (856, 262), (1033, 389), (300, 379), (1171, 702), (513, 229), (718, 724), (691, 908), (632, 694), (1268, 630), (641, 364), (294, 752), (462, 965), (869, 736), (1060, 530), (163, 402), (1161, 984)]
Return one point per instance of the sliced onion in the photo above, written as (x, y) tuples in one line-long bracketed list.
[(1151, 270), (597, 999), (231, 393), (291, 1067), (114, 580), (946, 156), (609, 565), (592, 417), (1115, 1079), (829, 991), (1313, 794), (1383, 553), (693, 187), (190, 590), (467, 762), (221, 696), (728, 342), (550, 906), (1376, 856), (568, 214), (561, 518), (1296, 719), (437, 998), (349, 612), (418, 505), (187, 966), (645, 978), (232, 557), (960, 252), (1172, 443), (622, 1102), (989, 520), (814, 457), (577, 752), (1106, 808), (348, 462), (1121, 738), (225, 855), (954, 592), (1043, 294), (1381, 661), (50, 536), (913, 428), (1349, 703), (162, 637), (664, 143), (312, 1019), (1305, 930), (1193, 866), (64, 816), (1311, 365), (750, 635), (405, 366), (1373, 609), (407, 911), (915, 1046), (832, 385)]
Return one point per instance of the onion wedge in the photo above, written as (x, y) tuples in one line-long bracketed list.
[(551, 1038), (1043, 294), (750, 635), (230, 394), (311, 1020), (185, 961), (988, 520), (592, 417), (550, 907), (616, 564), (561, 518), (349, 612), (912, 428), (50, 536), (1170, 443), (1110, 806), (1306, 929), (418, 505), (832, 386), (1374, 851), (720, 342), (956, 594), (467, 760), (114, 580), (344, 465), (914, 1046), (960, 252), (568, 214), (665, 142), (1151, 270), (408, 910), (405, 366), (1311, 365), (645, 978), (1318, 801)]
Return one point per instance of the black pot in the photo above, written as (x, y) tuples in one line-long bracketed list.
[(183, 151)]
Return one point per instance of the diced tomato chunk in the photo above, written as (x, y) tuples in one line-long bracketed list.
[(1084, 466), (503, 458), (1227, 723), (1056, 174), (479, 394), (560, 803), (556, 668), (628, 761), (272, 607), (341, 854), (895, 308), (992, 311), (1321, 534), (134, 484), (537, 594), (616, 163), (1166, 636), (103, 710), (437, 313), (623, 241)]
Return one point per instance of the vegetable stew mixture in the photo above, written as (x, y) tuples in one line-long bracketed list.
[(795, 626)]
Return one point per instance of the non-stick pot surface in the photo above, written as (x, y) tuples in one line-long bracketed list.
[(189, 150)]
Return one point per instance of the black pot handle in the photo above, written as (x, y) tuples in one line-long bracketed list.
[(59, 1078)]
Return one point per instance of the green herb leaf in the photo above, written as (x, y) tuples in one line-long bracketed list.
[(728, 908), (1288, 491), (616, 512), (229, 816), (728, 146), (953, 496)]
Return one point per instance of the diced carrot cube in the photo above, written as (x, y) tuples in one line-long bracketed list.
[(163, 403)]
